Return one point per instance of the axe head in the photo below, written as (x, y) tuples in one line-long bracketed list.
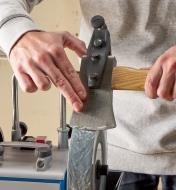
[(98, 112), (96, 73)]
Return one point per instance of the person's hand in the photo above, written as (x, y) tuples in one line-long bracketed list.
[(38, 58), (161, 79)]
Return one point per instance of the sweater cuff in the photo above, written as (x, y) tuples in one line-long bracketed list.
[(12, 30)]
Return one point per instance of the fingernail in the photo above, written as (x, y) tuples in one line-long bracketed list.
[(77, 106), (82, 94)]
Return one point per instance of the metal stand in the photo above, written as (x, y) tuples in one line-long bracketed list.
[(63, 130), (16, 131)]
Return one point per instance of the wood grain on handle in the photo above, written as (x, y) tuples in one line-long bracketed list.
[(125, 78)]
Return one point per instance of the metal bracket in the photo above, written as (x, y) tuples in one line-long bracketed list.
[(96, 75), (98, 51)]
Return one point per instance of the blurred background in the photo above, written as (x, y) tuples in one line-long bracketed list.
[(40, 111)]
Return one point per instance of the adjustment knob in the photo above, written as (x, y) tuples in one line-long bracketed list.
[(97, 21), (1, 135), (23, 128)]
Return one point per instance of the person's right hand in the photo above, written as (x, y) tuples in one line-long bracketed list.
[(38, 58)]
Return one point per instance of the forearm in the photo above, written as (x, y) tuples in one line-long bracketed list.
[(15, 21)]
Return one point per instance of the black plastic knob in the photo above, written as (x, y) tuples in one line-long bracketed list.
[(23, 128), (69, 131), (97, 21), (101, 169), (1, 136)]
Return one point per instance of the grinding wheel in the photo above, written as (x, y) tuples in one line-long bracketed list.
[(87, 160)]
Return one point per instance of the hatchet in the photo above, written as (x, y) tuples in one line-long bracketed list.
[(100, 77)]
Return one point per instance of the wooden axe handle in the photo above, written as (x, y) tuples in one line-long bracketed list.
[(126, 78)]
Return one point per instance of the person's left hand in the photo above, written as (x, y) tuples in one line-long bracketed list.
[(161, 79)]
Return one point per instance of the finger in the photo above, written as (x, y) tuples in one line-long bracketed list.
[(25, 82), (152, 81), (58, 79), (74, 44), (66, 89), (39, 78), (165, 89), (174, 90), (166, 86), (69, 94), (60, 58)]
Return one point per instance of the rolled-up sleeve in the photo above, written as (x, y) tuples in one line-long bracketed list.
[(15, 21)]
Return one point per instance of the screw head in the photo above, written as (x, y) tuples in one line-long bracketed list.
[(98, 43)]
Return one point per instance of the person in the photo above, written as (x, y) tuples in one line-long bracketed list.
[(143, 36)]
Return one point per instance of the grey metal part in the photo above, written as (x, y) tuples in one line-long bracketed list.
[(62, 130), (103, 181), (63, 138), (44, 152), (16, 131), (20, 144), (97, 53), (42, 164), (22, 164), (63, 124), (98, 112), (83, 154)]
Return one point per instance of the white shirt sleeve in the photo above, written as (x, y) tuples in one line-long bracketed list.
[(15, 21)]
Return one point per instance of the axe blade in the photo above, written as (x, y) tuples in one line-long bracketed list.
[(98, 112)]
